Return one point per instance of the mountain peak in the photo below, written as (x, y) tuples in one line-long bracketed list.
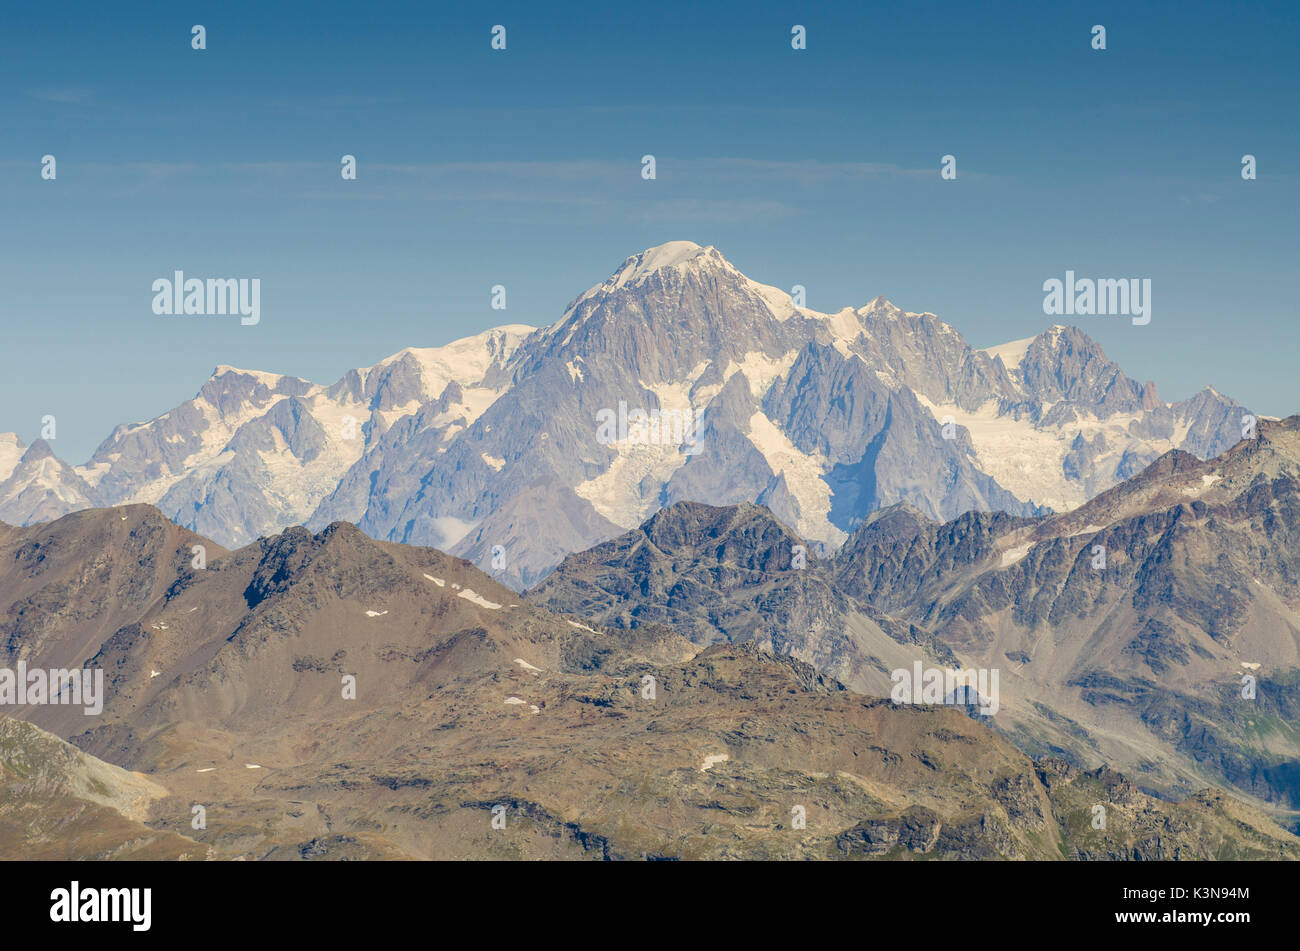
[(39, 450), (261, 376), (670, 254), (881, 306), (684, 255)]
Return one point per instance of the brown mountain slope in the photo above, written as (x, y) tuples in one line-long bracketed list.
[(72, 583), (58, 803), (596, 743)]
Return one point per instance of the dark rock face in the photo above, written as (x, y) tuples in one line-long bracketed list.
[(1066, 366), (1181, 582), (916, 830), (722, 574)]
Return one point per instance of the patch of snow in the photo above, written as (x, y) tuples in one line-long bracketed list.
[(629, 490), (803, 476), (514, 700), (492, 461), (375, 613), (93, 473), (777, 301), (469, 595), (525, 665), (466, 361), (438, 581), (712, 760), (845, 327), (1013, 555), (1012, 353), (1028, 461), (760, 370)]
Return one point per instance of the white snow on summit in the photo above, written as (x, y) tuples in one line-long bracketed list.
[(465, 361), (640, 266)]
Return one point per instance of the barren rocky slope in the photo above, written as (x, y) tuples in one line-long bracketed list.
[(1125, 631), (228, 689)]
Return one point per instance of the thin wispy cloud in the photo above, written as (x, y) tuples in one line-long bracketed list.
[(715, 210), (73, 96)]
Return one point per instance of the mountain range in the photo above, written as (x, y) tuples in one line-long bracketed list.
[(491, 447), (328, 696), (1128, 631), (640, 581)]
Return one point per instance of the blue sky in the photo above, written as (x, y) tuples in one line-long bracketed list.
[(522, 168)]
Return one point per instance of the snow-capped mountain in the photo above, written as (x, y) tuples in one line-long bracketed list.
[(676, 379), (253, 452), (11, 451), (40, 486)]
